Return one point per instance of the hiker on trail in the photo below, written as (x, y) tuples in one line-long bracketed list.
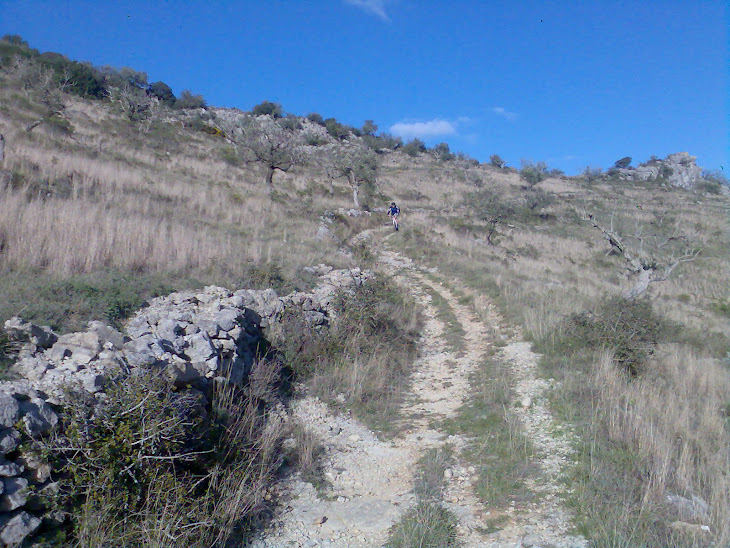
[(393, 212)]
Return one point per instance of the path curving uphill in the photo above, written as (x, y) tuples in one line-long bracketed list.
[(371, 481)]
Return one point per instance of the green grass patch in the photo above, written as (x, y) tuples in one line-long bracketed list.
[(501, 454)]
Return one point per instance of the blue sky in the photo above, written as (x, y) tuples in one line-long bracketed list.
[(572, 83)]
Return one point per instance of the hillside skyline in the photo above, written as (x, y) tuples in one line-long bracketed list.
[(571, 86)]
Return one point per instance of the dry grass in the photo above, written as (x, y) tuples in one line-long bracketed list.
[(665, 432)]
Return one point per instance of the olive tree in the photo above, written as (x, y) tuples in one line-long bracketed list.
[(265, 142), (358, 164), (490, 207)]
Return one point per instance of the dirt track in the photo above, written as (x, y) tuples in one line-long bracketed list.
[(372, 480)]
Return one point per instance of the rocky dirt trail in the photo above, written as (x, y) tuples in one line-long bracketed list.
[(370, 481)]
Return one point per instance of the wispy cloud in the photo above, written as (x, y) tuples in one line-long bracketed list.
[(504, 113), (373, 7), (432, 128)]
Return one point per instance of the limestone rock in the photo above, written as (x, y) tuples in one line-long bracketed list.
[(32, 367), (9, 440), (109, 337), (39, 335), (15, 494), (692, 509), (15, 527), (10, 469), (80, 348), (38, 417), (9, 410), (679, 169)]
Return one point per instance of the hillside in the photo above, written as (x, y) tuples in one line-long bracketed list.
[(538, 358)]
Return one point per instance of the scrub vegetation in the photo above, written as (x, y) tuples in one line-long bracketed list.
[(114, 190)]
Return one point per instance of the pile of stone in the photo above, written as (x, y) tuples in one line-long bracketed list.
[(679, 169), (196, 338), (26, 480)]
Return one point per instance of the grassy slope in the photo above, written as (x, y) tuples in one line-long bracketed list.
[(117, 211)]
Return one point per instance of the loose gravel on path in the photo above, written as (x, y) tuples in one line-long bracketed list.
[(371, 481)]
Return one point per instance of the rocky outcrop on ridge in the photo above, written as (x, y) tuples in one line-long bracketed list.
[(678, 169), (195, 338)]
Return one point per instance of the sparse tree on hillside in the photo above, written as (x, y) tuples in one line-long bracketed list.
[(592, 174), (15, 39), (267, 143), (622, 163), (47, 87), (336, 129), (358, 164), (496, 161), (652, 252), (533, 173), (414, 147), (316, 118), (490, 207), (189, 100), (369, 127), (443, 152), (163, 92)]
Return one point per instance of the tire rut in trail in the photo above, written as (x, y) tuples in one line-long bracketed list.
[(371, 481)]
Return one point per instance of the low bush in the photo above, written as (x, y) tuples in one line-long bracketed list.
[(428, 525), (364, 354), (150, 463), (627, 327)]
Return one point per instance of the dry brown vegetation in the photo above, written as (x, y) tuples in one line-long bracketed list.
[(162, 198)]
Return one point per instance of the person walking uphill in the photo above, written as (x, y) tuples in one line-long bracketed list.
[(393, 212)]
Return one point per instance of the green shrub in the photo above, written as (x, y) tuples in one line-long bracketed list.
[(268, 108), (496, 161), (623, 163), (336, 129), (163, 92), (369, 127), (230, 156), (290, 122), (427, 525), (365, 353), (443, 152), (592, 174), (533, 173), (314, 139), (148, 459), (721, 307), (414, 147), (628, 327), (316, 118), (188, 100)]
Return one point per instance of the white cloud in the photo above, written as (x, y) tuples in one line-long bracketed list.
[(432, 128), (504, 113), (373, 7)]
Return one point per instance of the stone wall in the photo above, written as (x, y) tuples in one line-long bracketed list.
[(194, 338)]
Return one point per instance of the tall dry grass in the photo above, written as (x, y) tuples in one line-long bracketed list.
[(674, 421)]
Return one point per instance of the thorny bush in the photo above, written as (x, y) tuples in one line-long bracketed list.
[(628, 327), (146, 447)]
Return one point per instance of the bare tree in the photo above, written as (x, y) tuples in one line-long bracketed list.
[(48, 87), (134, 102), (358, 164), (650, 257), (267, 143)]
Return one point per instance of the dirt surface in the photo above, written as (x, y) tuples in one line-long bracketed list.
[(371, 481)]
